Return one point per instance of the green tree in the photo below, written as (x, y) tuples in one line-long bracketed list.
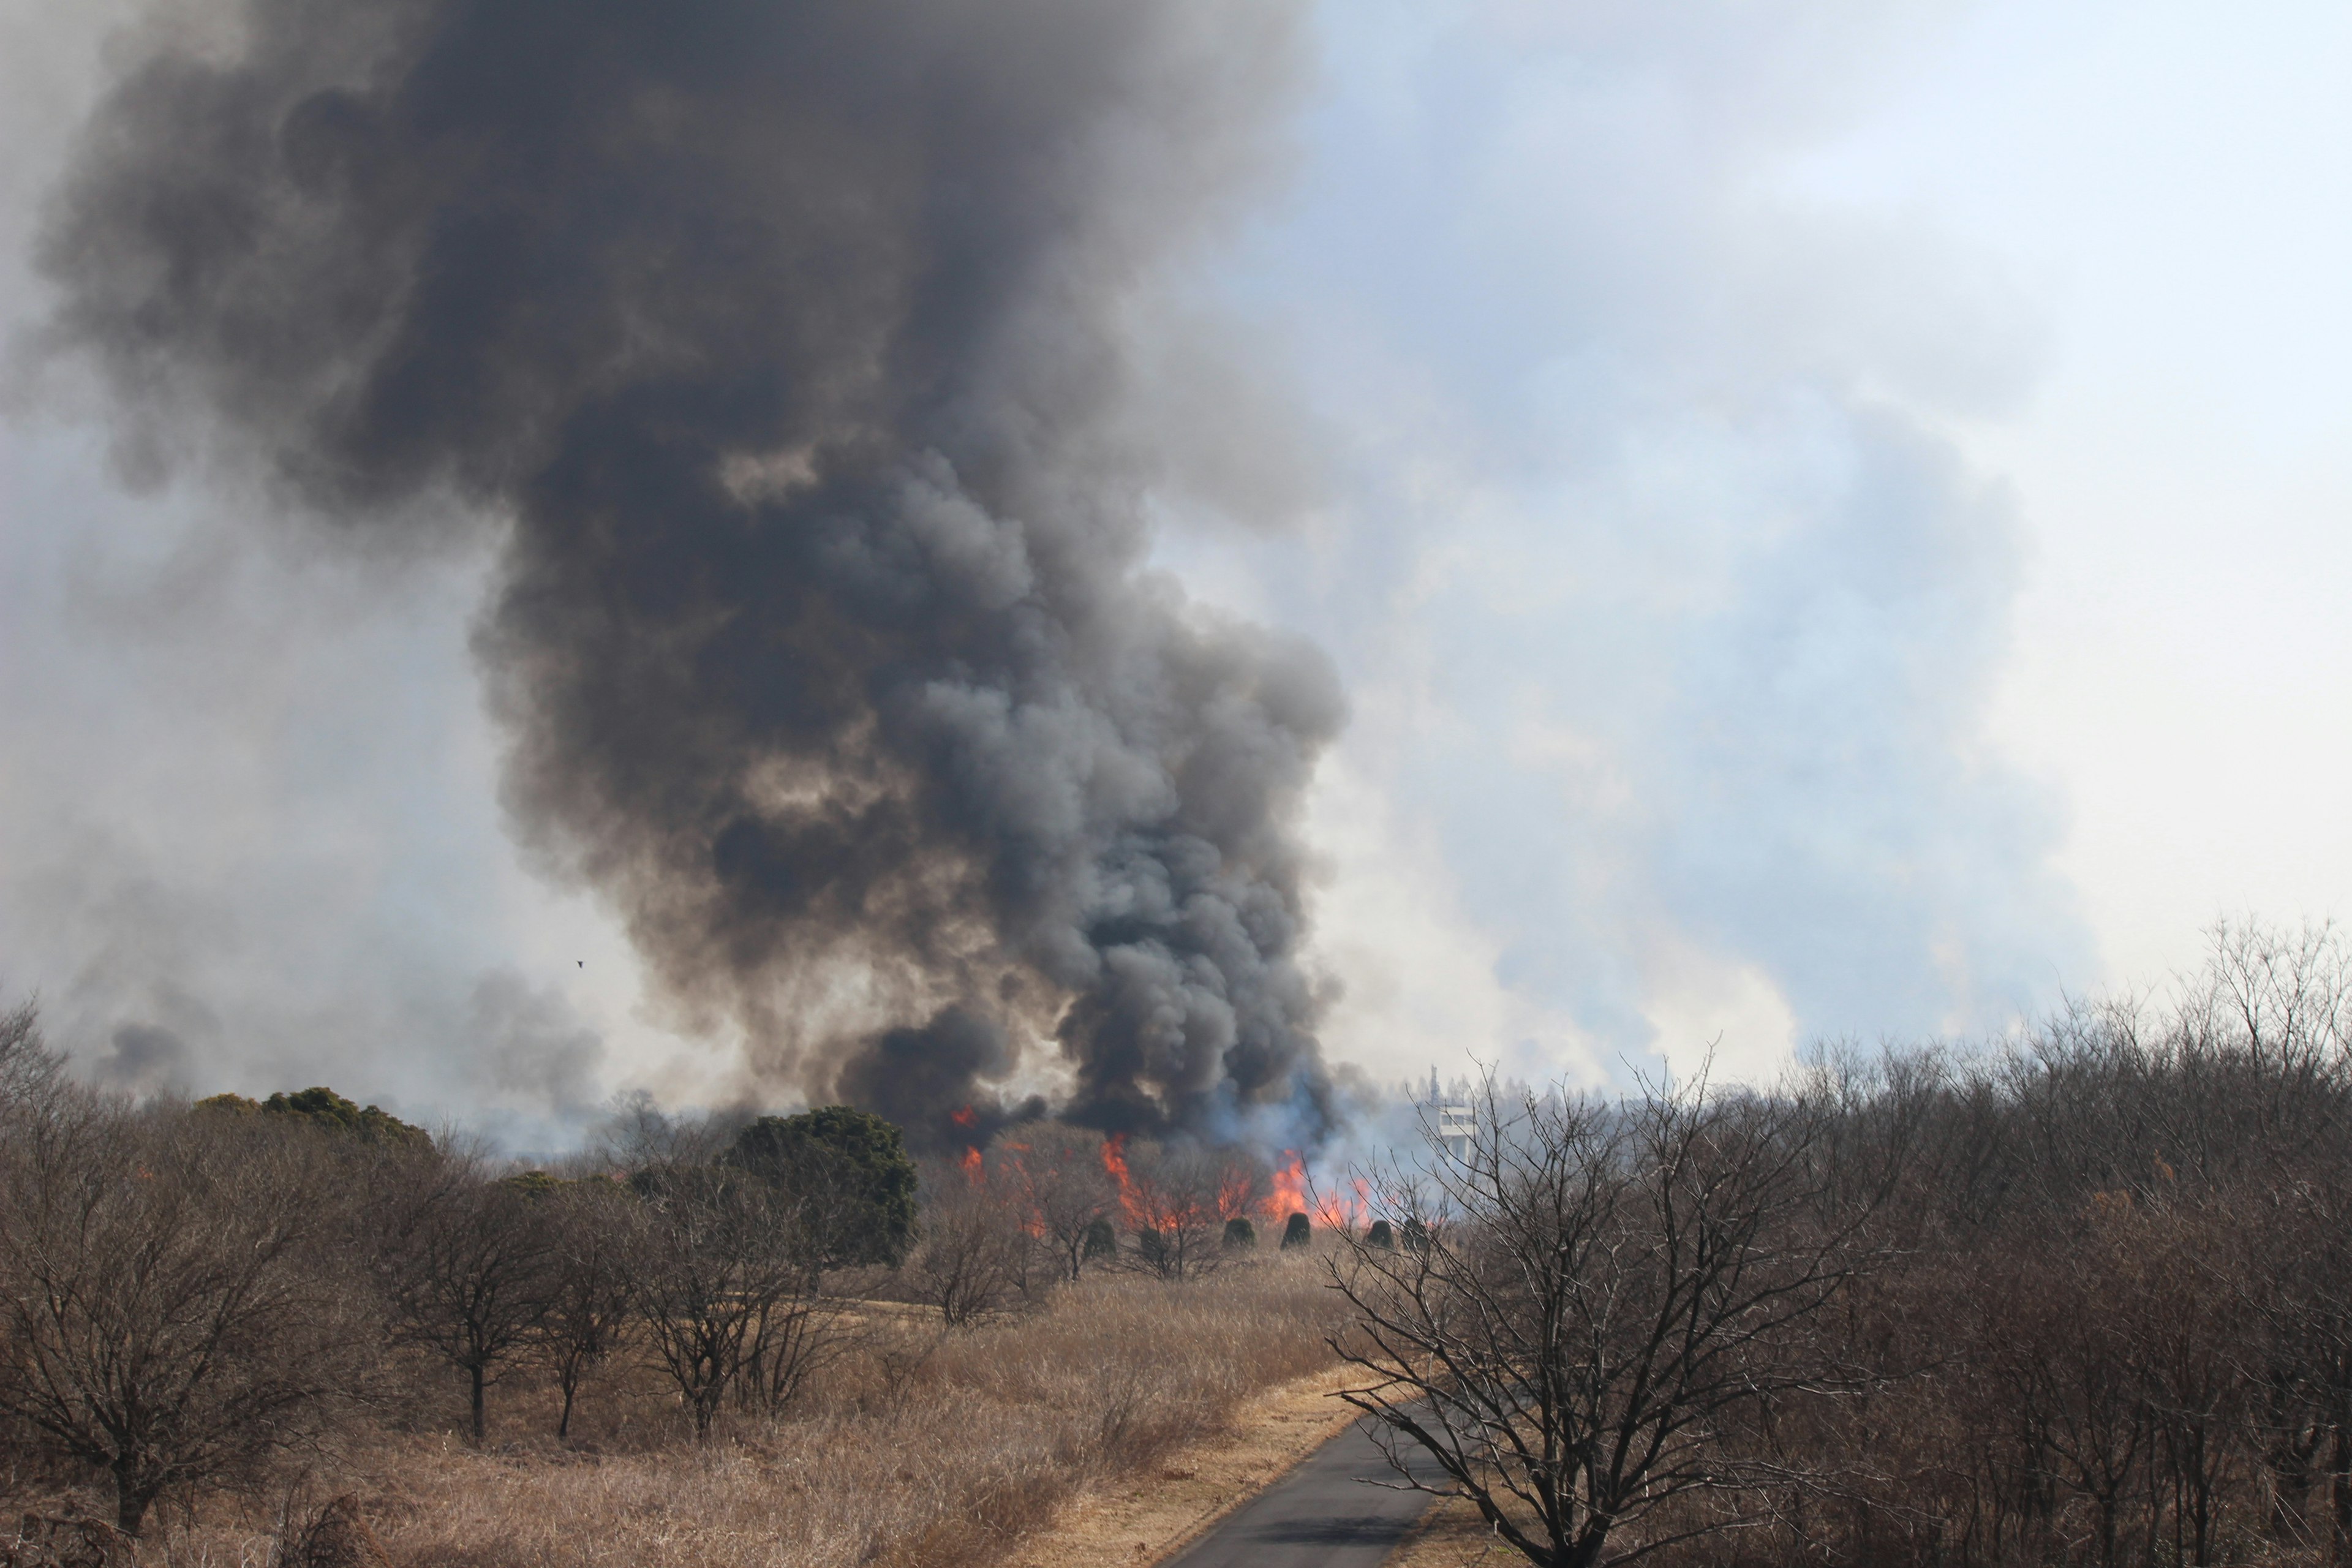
[(848, 1176), (329, 1113)]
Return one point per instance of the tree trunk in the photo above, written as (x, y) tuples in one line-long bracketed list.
[(563, 1421), (1585, 1551), (481, 1428), (2290, 1469), (131, 1500), (2339, 1489)]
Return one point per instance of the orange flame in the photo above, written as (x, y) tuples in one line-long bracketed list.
[(972, 1172), (1019, 1182), (1345, 1210), (1115, 1162), (1289, 1188), (1234, 1189), (1295, 1194), (964, 1118)]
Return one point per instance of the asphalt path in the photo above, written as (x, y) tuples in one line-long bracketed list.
[(1320, 1515)]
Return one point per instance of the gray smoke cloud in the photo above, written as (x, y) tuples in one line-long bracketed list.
[(784, 345)]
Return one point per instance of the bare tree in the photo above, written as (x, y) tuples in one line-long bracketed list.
[(588, 1309), (968, 1256), (640, 1137), (1600, 1302), (29, 1071), (722, 1288), (172, 1307), (1057, 1175), (466, 1268), (2295, 1290), (792, 1334), (1171, 1200)]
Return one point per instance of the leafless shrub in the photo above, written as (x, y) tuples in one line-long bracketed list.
[(723, 1288), (1171, 1199), (335, 1536), (592, 1264), (793, 1335), (174, 1312), (66, 1540), (29, 1071), (1055, 1173), (969, 1258), (467, 1266)]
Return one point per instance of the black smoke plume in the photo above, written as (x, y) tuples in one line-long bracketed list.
[(783, 339)]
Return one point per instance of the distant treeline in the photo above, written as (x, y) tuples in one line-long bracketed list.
[(2084, 1296), (2112, 1319)]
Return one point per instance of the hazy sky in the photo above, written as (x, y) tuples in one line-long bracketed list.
[(1831, 517)]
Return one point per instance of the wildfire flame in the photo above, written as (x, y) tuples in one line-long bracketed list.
[(965, 1118), (1236, 1192), (972, 1170), (1115, 1161), (1289, 1188), (1294, 1192)]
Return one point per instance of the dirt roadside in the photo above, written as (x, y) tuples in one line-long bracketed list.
[(1144, 1520), (1450, 1535)]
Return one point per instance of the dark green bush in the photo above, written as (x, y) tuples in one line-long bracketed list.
[(1240, 1236), (532, 1184), (323, 1109), (848, 1173), (1297, 1232)]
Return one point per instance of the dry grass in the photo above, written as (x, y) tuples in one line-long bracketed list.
[(1452, 1535), (916, 1449), (1150, 1516)]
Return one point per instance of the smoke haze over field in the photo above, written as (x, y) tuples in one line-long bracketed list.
[(652, 546), (784, 345)]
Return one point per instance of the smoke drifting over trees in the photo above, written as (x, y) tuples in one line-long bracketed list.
[(784, 345)]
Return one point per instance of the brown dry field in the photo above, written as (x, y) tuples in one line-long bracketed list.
[(1122, 1406), (1147, 1516)]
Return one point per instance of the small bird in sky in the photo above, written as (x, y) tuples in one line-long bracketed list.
[(581, 962)]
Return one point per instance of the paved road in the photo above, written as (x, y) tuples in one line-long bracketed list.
[(1319, 1516)]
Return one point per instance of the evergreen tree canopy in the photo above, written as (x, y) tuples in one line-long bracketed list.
[(323, 1109), (849, 1174)]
